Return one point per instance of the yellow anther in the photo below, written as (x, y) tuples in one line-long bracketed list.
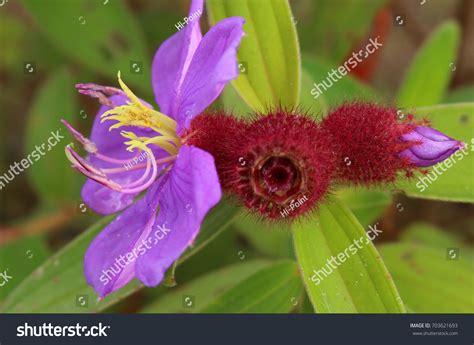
[(165, 142), (135, 113)]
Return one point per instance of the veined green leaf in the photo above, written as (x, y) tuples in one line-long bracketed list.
[(104, 38), (359, 283), (450, 180), (428, 280), (273, 289), (204, 290), (49, 172), (429, 74), (63, 274), (268, 55)]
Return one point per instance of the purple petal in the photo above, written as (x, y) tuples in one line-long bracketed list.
[(214, 64), (172, 60), (432, 146), (192, 190), (108, 263), (110, 143)]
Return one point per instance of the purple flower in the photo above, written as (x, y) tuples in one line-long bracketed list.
[(188, 73), (431, 146)]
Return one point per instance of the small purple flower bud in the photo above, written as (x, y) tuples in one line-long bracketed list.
[(431, 146)]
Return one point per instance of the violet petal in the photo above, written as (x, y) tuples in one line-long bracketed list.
[(106, 263), (214, 64), (192, 190), (172, 59)]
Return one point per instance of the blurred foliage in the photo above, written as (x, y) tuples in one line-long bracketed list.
[(328, 36), (20, 258), (52, 177), (427, 79)]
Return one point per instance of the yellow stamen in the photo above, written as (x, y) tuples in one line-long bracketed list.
[(136, 113), (166, 143)]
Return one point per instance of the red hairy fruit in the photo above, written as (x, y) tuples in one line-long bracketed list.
[(217, 133), (278, 164), (365, 139)]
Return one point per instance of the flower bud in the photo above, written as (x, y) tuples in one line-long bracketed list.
[(430, 146)]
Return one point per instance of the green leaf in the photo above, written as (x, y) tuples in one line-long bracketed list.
[(20, 258), (455, 183), (268, 54), (64, 273), (345, 89), (360, 283), (205, 289), (273, 289), (367, 205), (428, 281), (104, 38), (428, 76), (50, 173)]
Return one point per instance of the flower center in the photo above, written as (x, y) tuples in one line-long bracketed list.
[(277, 178), (134, 113), (137, 114)]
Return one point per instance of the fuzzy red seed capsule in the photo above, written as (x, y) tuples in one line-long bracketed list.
[(366, 141), (219, 134), (278, 164)]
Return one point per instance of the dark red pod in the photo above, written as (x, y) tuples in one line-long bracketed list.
[(278, 164), (366, 142)]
